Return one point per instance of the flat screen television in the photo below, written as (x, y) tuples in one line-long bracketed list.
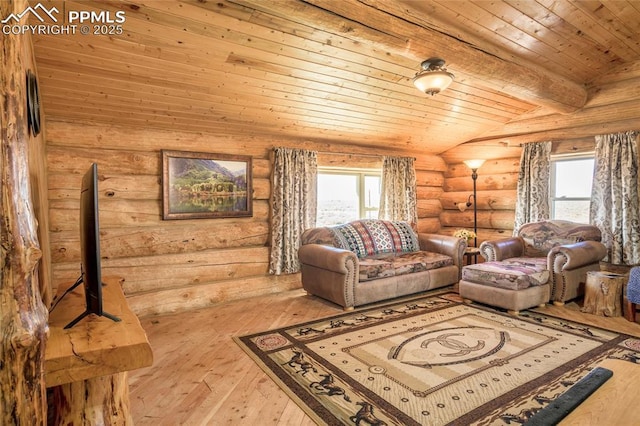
[(90, 272)]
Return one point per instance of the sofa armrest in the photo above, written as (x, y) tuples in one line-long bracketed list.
[(503, 248), (444, 244), (573, 256), (329, 272), (328, 257)]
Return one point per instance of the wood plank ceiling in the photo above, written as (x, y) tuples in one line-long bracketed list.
[(336, 70)]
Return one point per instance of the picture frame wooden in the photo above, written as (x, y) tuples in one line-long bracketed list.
[(199, 185)]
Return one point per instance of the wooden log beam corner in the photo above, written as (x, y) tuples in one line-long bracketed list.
[(23, 316)]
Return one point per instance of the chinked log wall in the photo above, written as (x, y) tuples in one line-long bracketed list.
[(168, 266), (496, 193), (496, 189)]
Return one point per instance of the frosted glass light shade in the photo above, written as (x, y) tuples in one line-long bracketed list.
[(474, 164), (432, 82), (433, 77)]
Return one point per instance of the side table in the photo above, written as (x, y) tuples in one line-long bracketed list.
[(86, 366), (471, 255), (603, 293)]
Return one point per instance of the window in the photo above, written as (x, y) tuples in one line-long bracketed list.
[(571, 179), (346, 195)]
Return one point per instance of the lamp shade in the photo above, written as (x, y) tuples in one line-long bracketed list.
[(474, 164), (432, 82), (433, 78)]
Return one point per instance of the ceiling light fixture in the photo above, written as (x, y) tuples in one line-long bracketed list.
[(433, 77)]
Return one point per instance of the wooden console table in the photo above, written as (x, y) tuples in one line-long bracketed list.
[(86, 366)]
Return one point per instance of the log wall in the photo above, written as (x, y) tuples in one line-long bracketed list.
[(496, 187), (496, 198), (175, 265)]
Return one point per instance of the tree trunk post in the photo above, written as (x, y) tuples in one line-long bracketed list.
[(23, 316), (98, 401)]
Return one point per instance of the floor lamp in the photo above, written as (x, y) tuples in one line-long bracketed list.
[(474, 165)]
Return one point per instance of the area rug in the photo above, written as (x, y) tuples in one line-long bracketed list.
[(432, 361)]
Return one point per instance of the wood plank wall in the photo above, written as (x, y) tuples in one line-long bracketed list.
[(169, 266)]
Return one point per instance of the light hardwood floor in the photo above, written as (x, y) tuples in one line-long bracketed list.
[(201, 377)]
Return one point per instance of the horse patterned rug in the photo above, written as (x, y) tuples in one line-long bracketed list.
[(432, 361)]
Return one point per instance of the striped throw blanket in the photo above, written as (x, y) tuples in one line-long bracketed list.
[(369, 237)]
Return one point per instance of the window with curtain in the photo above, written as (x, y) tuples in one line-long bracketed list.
[(571, 179), (347, 194)]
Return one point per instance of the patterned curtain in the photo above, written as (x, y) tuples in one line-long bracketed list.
[(398, 194), (293, 206), (532, 202), (614, 196)]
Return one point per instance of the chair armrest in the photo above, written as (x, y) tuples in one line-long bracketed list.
[(444, 244), (329, 258), (503, 248), (572, 256)]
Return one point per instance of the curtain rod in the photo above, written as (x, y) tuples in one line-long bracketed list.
[(359, 155)]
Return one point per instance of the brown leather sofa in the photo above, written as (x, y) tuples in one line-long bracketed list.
[(372, 260)]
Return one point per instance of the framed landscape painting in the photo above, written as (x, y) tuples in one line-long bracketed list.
[(198, 185)]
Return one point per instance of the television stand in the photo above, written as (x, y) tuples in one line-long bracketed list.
[(86, 366), (89, 312)]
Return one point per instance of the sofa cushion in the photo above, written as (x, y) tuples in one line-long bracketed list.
[(369, 237), (540, 237), (390, 265), (516, 273)]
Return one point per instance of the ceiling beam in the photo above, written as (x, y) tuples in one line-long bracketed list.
[(376, 23)]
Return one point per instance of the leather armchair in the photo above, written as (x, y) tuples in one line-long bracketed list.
[(571, 250)]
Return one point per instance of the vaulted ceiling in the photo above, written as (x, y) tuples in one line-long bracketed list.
[(341, 70)]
